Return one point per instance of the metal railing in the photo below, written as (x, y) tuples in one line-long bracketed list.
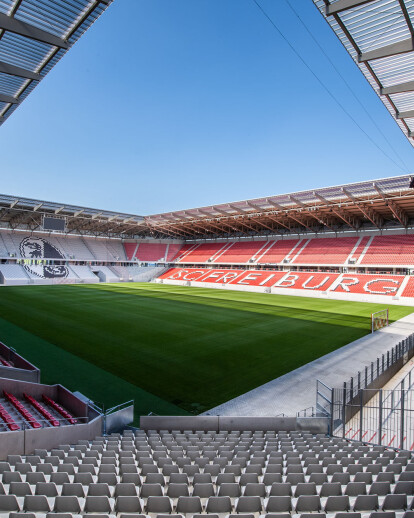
[(384, 417), (402, 351)]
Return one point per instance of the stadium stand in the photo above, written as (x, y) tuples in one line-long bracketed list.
[(409, 288), (202, 253), (13, 274), (130, 250), (151, 252), (390, 250), (241, 253), (172, 251), (216, 473), (185, 249), (326, 251), (279, 251)]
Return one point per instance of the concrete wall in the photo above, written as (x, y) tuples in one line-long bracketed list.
[(224, 423), (22, 370), (25, 442)]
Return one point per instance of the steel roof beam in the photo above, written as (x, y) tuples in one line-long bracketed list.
[(12, 70), (346, 218), (400, 47), (369, 213), (398, 89), (9, 99), (405, 115), (344, 5), (396, 210), (8, 23)]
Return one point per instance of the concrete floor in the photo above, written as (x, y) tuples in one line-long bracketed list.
[(296, 390)]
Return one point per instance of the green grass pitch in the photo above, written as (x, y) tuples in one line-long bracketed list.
[(174, 350)]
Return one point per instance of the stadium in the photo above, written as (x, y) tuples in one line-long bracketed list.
[(249, 358)]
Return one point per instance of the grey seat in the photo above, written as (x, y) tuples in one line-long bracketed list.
[(366, 503), (36, 504), (67, 504), (131, 478), (320, 478), (11, 476), (73, 489), (8, 503), (249, 504), (202, 478), (355, 489), (365, 477), (97, 504), (308, 488), (179, 478), (330, 489), (255, 489), (383, 514), (271, 478), (281, 489), (47, 489), (128, 504), (23, 467), (295, 478), (279, 504), (99, 489), (148, 490), (217, 504), (83, 478), (59, 478), (20, 489), (177, 490), (337, 503), (232, 490), (248, 478), (33, 478), (158, 504), (394, 503), (203, 490), (308, 504), (380, 488), (125, 489), (107, 478), (404, 487), (225, 478)]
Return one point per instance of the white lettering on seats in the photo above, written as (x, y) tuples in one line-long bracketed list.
[(387, 289), (290, 279), (215, 274), (267, 279), (306, 287), (178, 275), (345, 282), (229, 277), (249, 277), (189, 275)]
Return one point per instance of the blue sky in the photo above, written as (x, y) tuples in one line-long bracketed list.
[(172, 104)]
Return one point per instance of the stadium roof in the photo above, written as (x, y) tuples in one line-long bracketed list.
[(27, 214), (379, 36), (374, 204), (34, 35)]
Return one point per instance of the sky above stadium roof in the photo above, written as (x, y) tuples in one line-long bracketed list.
[(168, 104)]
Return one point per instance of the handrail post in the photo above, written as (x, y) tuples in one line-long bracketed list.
[(380, 418), (343, 410), (402, 415), (361, 408)]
